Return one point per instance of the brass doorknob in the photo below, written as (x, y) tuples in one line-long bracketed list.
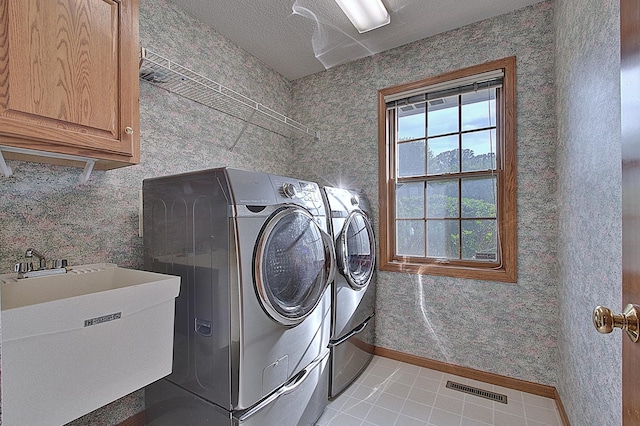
[(128, 130), (605, 321)]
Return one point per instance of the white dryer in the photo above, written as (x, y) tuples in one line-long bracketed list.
[(353, 289), (252, 317)]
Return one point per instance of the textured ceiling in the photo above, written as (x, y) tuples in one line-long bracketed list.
[(301, 37)]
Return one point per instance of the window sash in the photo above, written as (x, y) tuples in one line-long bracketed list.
[(393, 112), (459, 216), (393, 116)]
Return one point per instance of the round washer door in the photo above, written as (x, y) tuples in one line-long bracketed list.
[(355, 250), (294, 263)]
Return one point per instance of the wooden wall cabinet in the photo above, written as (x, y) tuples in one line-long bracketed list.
[(69, 80)]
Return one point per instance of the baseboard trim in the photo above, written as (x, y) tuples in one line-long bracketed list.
[(483, 376), (563, 414), (139, 419)]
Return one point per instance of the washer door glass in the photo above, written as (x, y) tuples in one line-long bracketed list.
[(293, 265), (356, 250)]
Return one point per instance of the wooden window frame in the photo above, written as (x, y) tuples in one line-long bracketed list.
[(506, 269)]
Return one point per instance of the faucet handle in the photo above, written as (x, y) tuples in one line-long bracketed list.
[(23, 267), (58, 263)]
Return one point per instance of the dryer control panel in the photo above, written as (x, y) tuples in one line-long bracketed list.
[(303, 193), (297, 191)]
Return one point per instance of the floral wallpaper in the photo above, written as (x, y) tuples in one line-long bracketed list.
[(537, 329), (590, 207), (507, 329), (44, 207)]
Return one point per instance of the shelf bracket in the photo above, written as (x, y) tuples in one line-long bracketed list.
[(4, 169), (86, 173), (244, 129)]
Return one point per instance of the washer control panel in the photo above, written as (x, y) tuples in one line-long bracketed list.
[(303, 193)]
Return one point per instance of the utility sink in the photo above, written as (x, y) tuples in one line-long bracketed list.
[(74, 342)]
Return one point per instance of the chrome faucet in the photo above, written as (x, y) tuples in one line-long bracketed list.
[(30, 253), (26, 269)]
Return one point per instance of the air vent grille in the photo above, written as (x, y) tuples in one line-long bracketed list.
[(477, 392), (437, 102)]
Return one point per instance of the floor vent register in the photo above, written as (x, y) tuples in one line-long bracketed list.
[(477, 392)]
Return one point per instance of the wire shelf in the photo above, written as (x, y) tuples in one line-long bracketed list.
[(177, 79)]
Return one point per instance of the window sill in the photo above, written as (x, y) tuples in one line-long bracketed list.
[(501, 274)]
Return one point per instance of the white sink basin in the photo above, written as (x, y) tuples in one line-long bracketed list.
[(74, 342)]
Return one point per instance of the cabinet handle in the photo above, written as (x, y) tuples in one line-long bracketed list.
[(128, 130)]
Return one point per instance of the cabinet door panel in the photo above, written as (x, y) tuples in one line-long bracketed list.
[(69, 67), (70, 78)]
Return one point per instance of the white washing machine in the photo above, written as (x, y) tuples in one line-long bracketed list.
[(253, 315), (353, 289)]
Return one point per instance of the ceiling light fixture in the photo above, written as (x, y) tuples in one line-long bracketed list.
[(365, 15)]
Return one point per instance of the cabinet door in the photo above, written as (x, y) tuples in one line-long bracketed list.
[(69, 78)]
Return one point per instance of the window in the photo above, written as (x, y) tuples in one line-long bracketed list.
[(448, 174)]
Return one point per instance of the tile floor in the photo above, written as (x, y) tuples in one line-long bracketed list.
[(392, 393)]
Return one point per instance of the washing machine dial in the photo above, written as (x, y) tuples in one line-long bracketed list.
[(289, 190)]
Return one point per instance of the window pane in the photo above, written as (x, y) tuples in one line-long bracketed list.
[(443, 155), (479, 150), (479, 240), (443, 237), (410, 200), (411, 122), (410, 237), (411, 159), (479, 197), (479, 109), (442, 117), (442, 199)]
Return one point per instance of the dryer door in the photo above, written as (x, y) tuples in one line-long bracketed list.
[(294, 263), (356, 250)]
